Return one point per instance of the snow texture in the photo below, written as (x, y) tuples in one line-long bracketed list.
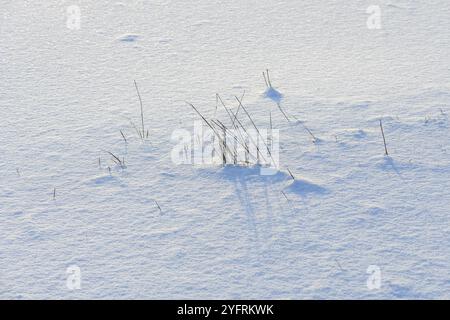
[(152, 229)]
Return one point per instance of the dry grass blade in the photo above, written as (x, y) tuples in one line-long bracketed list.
[(208, 124), (270, 120), (160, 210), (311, 134), (123, 136), (293, 178), (284, 194), (142, 109), (282, 111), (384, 139), (265, 79), (137, 130)]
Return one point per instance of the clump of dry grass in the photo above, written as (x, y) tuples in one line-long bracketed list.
[(142, 132), (236, 133), (117, 161)]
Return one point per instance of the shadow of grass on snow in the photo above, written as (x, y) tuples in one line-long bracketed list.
[(300, 186)]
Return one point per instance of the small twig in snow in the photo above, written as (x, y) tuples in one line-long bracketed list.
[(384, 139), (339, 265), (142, 109), (160, 210)]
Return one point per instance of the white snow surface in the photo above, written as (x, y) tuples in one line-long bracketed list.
[(224, 232)]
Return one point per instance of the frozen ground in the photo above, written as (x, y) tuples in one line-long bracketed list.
[(224, 232)]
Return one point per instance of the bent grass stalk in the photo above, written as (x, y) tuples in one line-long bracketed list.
[(142, 110)]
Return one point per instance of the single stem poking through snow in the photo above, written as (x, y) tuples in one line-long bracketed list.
[(293, 178), (142, 109), (117, 160), (339, 265), (307, 129), (235, 119), (123, 136), (256, 128), (282, 111), (265, 79)]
